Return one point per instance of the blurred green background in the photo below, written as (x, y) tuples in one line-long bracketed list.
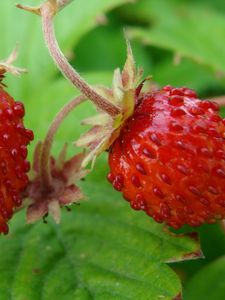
[(177, 42)]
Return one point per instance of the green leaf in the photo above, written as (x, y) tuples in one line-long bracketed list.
[(186, 73), (192, 31), (212, 245), (101, 250), (208, 283), (113, 49)]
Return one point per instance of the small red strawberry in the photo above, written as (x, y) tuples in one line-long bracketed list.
[(167, 149), (14, 139), (169, 159)]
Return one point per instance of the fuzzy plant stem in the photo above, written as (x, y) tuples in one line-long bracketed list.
[(68, 71), (222, 224), (220, 100), (45, 168), (62, 3)]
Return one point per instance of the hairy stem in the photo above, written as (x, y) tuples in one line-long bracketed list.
[(62, 3), (222, 224), (68, 71), (220, 100), (45, 168)]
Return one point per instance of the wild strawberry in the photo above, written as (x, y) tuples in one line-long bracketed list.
[(169, 159), (14, 139), (167, 149)]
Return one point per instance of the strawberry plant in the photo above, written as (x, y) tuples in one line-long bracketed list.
[(162, 147)]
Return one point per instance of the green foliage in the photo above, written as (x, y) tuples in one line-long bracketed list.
[(182, 30), (201, 42), (103, 249), (208, 283)]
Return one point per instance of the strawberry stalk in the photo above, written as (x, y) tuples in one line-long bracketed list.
[(67, 70), (53, 183), (47, 12), (45, 170), (220, 100)]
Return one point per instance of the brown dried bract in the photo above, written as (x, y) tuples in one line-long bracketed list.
[(63, 190)]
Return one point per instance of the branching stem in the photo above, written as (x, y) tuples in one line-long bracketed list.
[(72, 75)]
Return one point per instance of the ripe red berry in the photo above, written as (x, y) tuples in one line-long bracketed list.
[(14, 139), (169, 159)]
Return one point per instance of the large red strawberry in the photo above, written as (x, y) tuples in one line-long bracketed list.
[(169, 159), (14, 139)]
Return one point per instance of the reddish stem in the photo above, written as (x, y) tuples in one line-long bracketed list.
[(47, 22), (45, 168), (220, 100), (63, 3), (222, 224)]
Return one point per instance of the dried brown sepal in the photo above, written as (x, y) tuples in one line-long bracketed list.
[(34, 10), (55, 5), (63, 191), (7, 66)]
